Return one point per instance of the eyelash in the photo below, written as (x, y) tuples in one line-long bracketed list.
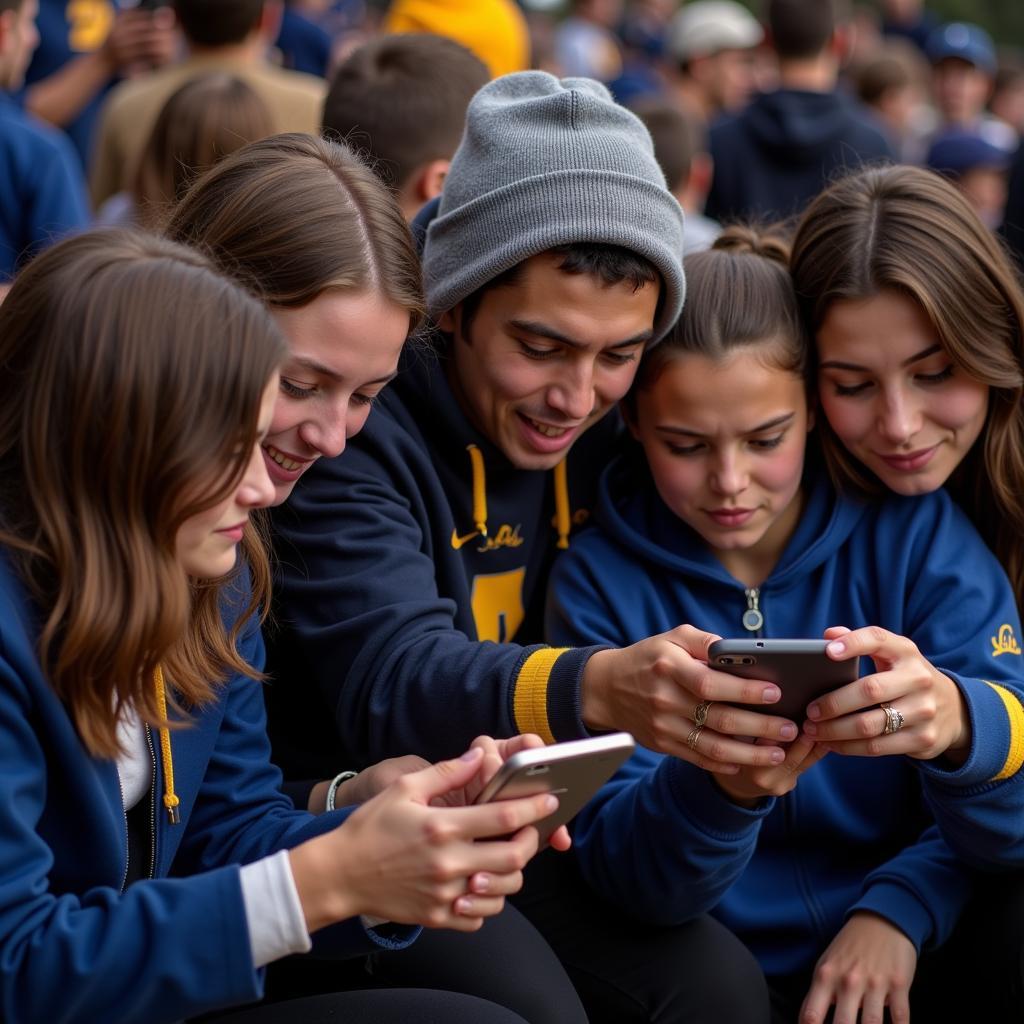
[(540, 354), (760, 445), (924, 378), (294, 391)]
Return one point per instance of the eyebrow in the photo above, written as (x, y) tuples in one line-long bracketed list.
[(326, 371), (835, 364), (779, 421), (543, 331)]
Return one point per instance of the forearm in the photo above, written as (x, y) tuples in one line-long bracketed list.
[(62, 96)]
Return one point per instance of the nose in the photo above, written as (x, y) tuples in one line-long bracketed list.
[(729, 476), (572, 394), (327, 433), (899, 418), (257, 489)]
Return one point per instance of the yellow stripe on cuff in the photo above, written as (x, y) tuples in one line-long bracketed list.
[(530, 705), (1015, 756)]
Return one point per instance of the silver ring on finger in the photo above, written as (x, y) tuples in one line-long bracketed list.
[(893, 719), (700, 713), (691, 740)]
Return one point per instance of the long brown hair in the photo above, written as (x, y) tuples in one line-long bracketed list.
[(131, 375), (908, 230), (293, 215), (201, 123)]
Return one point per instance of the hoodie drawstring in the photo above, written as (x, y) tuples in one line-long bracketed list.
[(476, 457), (563, 521), (563, 517), (171, 800)]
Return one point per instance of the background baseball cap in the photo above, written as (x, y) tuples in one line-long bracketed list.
[(964, 40), (709, 26)]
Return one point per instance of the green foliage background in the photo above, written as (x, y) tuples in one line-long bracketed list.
[(1003, 18)]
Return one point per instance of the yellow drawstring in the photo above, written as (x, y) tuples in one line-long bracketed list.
[(171, 800), (562, 520), (479, 489)]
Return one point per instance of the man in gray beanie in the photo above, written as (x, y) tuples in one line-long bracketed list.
[(414, 566)]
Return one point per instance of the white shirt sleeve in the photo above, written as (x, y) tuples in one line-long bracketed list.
[(277, 926)]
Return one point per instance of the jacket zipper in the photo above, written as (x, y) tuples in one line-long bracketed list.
[(127, 844), (753, 618), (152, 804)]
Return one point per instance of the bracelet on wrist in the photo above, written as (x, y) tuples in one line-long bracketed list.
[(332, 789)]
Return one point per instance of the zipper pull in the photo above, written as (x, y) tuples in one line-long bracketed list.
[(753, 620)]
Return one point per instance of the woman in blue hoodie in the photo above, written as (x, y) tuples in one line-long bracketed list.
[(824, 859), (149, 865)]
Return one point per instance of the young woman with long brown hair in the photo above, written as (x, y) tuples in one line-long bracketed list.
[(918, 319), (307, 227), (149, 865)]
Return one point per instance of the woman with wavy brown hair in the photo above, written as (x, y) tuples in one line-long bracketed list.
[(918, 321), (149, 865), (307, 227)]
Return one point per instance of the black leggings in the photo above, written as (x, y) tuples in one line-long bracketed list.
[(423, 1006), (506, 964), (628, 972)]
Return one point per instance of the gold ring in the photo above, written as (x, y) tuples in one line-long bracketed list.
[(691, 740), (893, 719), (700, 713)]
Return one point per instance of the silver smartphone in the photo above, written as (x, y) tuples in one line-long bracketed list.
[(572, 771), (800, 668)]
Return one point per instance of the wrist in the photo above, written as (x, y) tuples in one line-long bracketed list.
[(315, 870), (336, 787), (594, 690)]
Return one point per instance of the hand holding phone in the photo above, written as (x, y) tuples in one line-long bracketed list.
[(572, 771), (800, 668)]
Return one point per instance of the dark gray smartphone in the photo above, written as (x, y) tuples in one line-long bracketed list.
[(800, 668), (573, 771)]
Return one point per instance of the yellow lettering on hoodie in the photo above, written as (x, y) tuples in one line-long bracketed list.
[(1005, 642), (89, 22)]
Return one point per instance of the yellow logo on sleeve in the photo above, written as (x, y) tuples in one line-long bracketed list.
[(1005, 642)]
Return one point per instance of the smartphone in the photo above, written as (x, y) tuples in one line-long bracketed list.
[(572, 771), (800, 668)]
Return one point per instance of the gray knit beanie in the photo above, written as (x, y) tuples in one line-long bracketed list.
[(546, 162)]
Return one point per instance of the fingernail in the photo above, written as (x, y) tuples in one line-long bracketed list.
[(778, 756), (788, 732), (481, 883), (463, 905), (837, 647), (472, 754), (813, 711), (550, 803), (771, 694), (810, 729)]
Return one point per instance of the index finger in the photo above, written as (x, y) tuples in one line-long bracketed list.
[(866, 641), (710, 684), (499, 819)]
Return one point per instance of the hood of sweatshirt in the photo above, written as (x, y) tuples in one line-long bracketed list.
[(802, 127), (630, 509)]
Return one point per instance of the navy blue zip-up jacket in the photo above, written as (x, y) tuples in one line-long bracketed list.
[(76, 946), (776, 155), (412, 575), (663, 841)]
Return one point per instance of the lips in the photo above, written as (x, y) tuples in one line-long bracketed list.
[(282, 467), (910, 461), (731, 517), (547, 437)]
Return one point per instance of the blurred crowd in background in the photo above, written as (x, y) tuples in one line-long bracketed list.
[(748, 119)]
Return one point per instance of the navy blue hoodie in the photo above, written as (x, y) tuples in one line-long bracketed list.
[(857, 833), (396, 560), (777, 154)]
